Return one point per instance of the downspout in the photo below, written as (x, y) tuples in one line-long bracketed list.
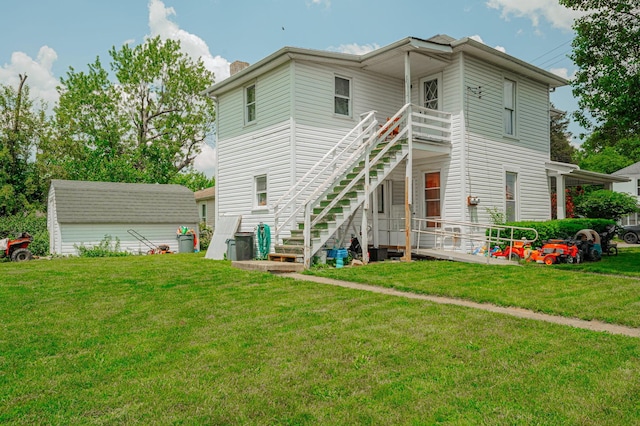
[(463, 144), (216, 202)]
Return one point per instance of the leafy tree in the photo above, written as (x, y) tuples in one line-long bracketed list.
[(193, 180), (607, 51), (561, 149), (606, 204), (21, 126), (606, 161), (146, 126), (603, 152)]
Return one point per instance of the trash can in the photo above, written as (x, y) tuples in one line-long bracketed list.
[(231, 249), (244, 245), (185, 243)]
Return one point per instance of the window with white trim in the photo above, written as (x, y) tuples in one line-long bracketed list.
[(203, 213), (250, 103), (638, 187), (511, 196), (260, 190), (342, 96), (509, 107), (430, 93), (432, 197)]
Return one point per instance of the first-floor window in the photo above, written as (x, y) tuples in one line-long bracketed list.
[(432, 197), (380, 196), (203, 213), (261, 190), (511, 196)]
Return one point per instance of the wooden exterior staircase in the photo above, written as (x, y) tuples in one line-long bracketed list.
[(311, 212)]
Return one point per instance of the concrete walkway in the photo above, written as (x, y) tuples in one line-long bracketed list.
[(516, 312)]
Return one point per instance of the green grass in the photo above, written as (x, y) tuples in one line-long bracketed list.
[(564, 290), (180, 339)]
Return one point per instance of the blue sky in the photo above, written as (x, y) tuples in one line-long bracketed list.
[(44, 38)]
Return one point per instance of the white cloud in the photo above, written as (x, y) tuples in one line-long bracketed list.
[(535, 10), (355, 49), (479, 40), (191, 44), (563, 72), (40, 79), (206, 160), (326, 3)]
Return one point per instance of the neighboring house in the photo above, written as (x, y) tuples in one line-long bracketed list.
[(632, 188), (206, 202), (468, 135), (83, 213)]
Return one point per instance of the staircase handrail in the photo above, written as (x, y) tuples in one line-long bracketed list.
[(368, 117), (357, 178), (441, 230), (347, 165)]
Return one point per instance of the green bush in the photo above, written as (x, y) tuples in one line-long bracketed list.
[(103, 249), (206, 233), (556, 229), (606, 204), (34, 223)]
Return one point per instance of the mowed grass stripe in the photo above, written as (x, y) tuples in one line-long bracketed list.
[(180, 339), (591, 291)]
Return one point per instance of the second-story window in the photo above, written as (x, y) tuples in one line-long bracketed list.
[(509, 107), (250, 103), (342, 97)]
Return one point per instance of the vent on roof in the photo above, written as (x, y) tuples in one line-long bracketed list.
[(237, 66)]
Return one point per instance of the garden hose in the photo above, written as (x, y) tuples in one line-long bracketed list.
[(264, 240)]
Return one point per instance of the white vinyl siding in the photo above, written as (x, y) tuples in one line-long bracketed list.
[(273, 105), (89, 235), (488, 150), (267, 151)]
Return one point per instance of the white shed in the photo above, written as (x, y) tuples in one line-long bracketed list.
[(83, 213)]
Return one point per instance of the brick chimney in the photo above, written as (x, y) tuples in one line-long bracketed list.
[(237, 66)]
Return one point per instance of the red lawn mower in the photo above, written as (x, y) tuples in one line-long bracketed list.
[(17, 250)]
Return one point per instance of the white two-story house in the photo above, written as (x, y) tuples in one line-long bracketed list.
[(314, 142)]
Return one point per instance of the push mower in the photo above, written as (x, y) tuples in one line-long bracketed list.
[(17, 250)]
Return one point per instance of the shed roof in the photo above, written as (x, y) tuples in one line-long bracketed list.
[(206, 194), (633, 169), (110, 202)]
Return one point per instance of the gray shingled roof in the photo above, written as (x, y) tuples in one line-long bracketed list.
[(633, 169), (109, 202)]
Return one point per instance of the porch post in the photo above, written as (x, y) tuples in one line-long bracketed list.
[(376, 217), (409, 166), (560, 197)]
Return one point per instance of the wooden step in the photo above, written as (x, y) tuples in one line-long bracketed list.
[(284, 257)]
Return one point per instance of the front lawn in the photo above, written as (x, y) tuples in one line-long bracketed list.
[(180, 339), (566, 290)]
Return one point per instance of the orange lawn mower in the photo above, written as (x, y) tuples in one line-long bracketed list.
[(16, 250), (557, 251)]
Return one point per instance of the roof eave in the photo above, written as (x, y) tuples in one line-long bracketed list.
[(472, 46)]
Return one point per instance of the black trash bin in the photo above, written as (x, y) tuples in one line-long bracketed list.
[(244, 245)]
